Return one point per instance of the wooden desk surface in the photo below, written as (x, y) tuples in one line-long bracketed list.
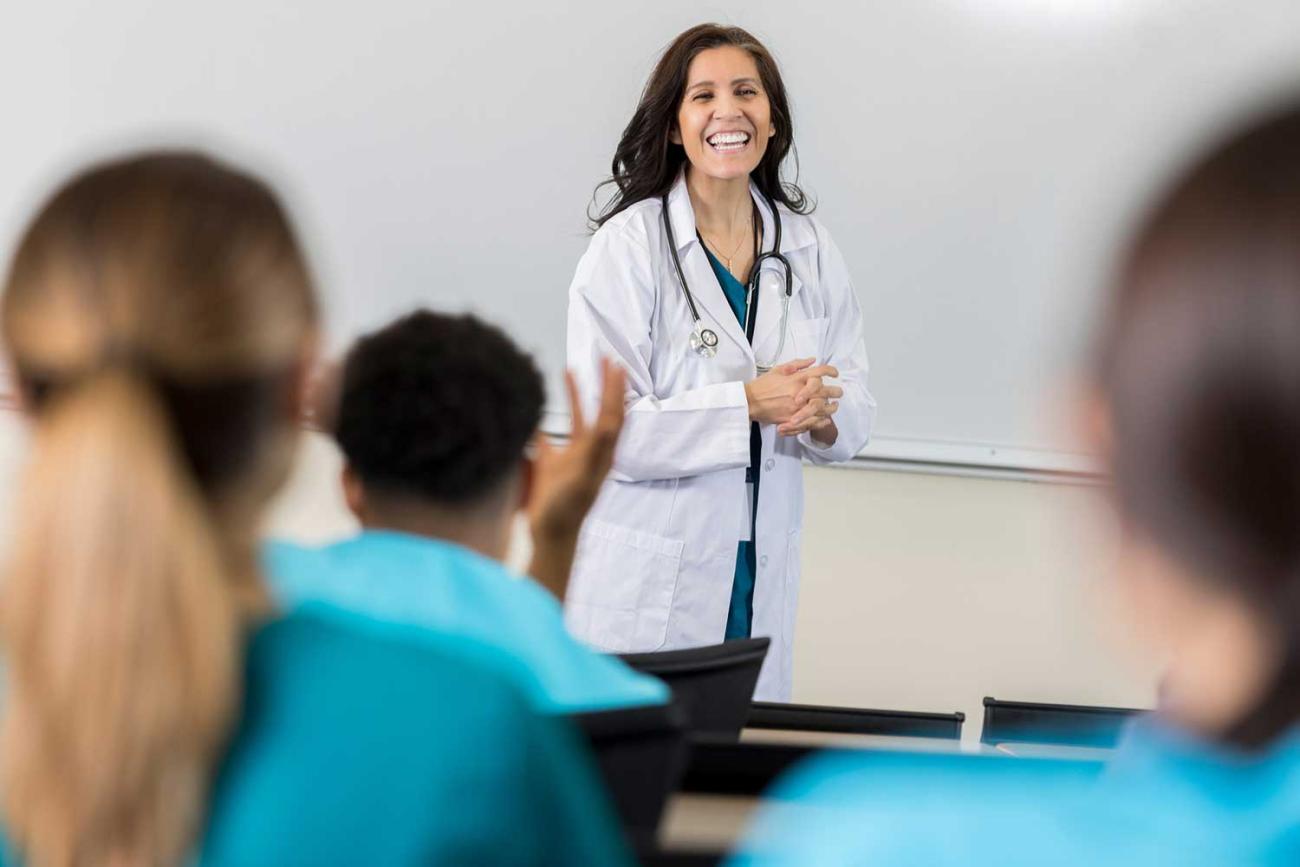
[(705, 820), (847, 740), (700, 821)]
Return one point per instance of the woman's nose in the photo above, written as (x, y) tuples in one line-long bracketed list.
[(726, 108)]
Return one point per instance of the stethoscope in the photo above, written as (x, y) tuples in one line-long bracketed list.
[(704, 341)]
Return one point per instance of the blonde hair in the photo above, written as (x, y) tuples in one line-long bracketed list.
[(156, 313)]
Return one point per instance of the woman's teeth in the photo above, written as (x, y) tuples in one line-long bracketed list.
[(728, 142)]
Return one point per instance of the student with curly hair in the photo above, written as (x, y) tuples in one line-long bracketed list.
[(434, 417)]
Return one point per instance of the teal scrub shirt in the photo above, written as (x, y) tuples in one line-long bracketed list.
[(740, 614), (1165, 798), (449, 590), (363, 743)]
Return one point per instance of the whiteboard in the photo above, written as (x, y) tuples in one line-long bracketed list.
[(975, 159)]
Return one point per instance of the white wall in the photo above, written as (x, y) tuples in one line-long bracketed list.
[(929, 592), (974, 159)]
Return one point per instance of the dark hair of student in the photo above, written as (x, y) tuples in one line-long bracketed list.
[(157, 314), (1199, 358), (437, 406), (646, 161)]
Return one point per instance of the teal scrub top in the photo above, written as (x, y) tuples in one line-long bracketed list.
[(368, 744), (1165, 798), (740, 613), (449, 590)]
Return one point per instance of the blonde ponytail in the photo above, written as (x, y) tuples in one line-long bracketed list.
[(121, 633)]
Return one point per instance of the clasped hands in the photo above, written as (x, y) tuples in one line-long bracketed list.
[(793, 397)]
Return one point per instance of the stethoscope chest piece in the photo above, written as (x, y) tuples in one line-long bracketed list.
[(704, 342)]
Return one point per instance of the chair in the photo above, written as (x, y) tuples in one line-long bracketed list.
[(641, 754), (1069, 725), (714, 685), (820, 718), (723, 766)]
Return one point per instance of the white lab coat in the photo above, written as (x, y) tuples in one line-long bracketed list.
[(657, 554)]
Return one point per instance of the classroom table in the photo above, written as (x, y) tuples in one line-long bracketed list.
[(722, 788), (849, 740), (697, 821), (1065, 752), (713, 817), (748, 765)]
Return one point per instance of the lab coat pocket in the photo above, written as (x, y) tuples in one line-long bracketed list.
[(808, 337), (624, 587)]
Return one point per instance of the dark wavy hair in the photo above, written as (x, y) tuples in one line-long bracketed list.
[(1199, 359), (646, 161), (439, 407)]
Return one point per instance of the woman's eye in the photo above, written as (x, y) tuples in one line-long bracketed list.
[(701, 96), (747, 91)]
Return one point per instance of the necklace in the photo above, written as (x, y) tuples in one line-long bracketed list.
[(726, 260)]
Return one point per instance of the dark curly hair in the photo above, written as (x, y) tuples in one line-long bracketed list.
[(437, 406)]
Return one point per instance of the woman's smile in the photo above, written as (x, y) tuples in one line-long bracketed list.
[(729, 142)]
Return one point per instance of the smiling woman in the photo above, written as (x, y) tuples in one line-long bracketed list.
[(703, 262)]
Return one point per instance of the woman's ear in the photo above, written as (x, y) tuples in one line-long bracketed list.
[(675, 134)]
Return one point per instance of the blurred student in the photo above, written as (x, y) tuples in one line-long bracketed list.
[(1197, 410), (158, 709), (434, 417)]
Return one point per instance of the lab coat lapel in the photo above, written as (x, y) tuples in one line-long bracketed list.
[(715, 310)]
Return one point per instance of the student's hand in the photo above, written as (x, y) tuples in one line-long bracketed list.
[(776, 396), (321, 393), (567, 479)]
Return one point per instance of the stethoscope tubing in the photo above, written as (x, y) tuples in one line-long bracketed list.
[(705, 340)]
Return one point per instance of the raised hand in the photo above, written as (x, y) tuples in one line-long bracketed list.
[(566, 479), (320, 392)]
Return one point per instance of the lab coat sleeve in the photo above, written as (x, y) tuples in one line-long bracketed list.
[(611, 310), (846, 349)]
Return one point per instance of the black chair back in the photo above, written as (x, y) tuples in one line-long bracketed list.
[(821, 718), (641, 754), (1066, 724), (714, 685)]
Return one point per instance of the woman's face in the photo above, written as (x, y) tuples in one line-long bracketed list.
[(725, 119)]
